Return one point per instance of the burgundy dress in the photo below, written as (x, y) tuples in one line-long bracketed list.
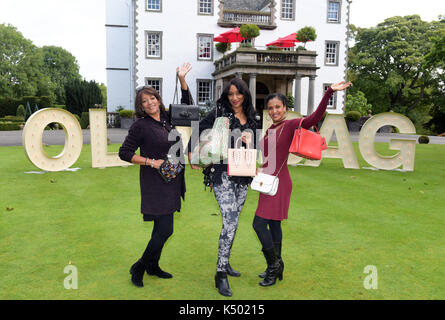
[(276, 207)]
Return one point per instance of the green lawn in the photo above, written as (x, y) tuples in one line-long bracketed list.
[(340, 221)]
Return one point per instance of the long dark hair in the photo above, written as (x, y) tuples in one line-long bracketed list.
[(242, 87), (139, 110)]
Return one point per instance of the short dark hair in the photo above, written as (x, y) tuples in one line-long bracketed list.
[(279, 96), (244, 90), (139, 110)]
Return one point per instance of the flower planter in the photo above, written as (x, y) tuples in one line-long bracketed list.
[(126, 123)]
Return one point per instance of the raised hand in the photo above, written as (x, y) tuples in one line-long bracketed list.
[(341, 86), (183, 70)]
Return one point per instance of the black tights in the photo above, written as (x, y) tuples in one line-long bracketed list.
[(162, 230), (267, 236)]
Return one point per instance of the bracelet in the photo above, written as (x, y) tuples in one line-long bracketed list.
[(152, 161), (146, 161)]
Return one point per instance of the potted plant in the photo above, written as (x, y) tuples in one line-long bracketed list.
[(126, 117), (250, 32), (223, 47), (306, 34)]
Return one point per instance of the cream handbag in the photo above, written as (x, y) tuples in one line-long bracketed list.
[(241, 161), (265, 183)]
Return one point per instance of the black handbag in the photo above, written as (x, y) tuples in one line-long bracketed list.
[(181, 114)]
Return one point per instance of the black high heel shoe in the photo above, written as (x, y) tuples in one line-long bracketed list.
[(231, 272)]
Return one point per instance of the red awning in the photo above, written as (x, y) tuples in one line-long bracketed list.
[(229, 36)]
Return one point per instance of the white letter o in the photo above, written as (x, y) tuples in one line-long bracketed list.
[(33, 133)]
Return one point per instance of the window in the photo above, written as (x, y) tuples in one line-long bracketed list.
[(334, 11), (154, 5), (331, 53), (205, 7), (155, 83), (205, 47), (288, 9), (332, 104), (204, 93), (154, 44)]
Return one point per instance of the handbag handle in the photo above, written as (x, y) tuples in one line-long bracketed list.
[(249, 145), (176, 95)]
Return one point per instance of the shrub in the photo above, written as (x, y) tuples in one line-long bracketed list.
[(85, 120), (424, 140), (249, 31), (21, 111), (223, 47), (7, 126), (126, 113), (306, 34), (353, 116)]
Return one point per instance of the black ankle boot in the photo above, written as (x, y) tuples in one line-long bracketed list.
[(137, 273), (222, 284), (274, 268), (278, 252), (154, 270), (231, 272)]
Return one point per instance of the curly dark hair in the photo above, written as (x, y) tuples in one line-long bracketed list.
[(242, 87), (139, 110)]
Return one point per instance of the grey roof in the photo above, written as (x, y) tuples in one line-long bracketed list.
[(248, 5)]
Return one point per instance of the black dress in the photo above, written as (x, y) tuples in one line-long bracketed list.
[(151, 136)]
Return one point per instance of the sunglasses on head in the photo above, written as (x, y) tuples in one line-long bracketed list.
[(140, 88)]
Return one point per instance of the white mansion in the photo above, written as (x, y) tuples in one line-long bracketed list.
[(148, 39)]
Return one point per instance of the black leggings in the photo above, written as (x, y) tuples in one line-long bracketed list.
[(162, 230), (267, 236)]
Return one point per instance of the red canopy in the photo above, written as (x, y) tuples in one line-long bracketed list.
[(285, 42), (229, 36)]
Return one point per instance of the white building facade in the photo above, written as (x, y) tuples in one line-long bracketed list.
[(148, 39)]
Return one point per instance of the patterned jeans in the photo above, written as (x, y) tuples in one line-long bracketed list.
[(230, 197)]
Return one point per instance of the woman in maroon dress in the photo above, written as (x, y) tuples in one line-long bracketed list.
[(272, 210)]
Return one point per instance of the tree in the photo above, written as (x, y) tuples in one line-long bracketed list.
[(387, 64), (306, 34), (82, 95), (61, 67), (436, 59), (21, 65), (358, 102)]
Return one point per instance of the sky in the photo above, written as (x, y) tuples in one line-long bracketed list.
[(79, 25)]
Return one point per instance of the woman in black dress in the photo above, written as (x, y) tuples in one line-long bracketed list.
[(159, 200)]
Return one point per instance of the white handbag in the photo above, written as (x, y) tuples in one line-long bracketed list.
[(265, 183)]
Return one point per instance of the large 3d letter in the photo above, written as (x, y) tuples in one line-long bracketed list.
[(100, 157), (407, 147), (345, 150), (33, 133)]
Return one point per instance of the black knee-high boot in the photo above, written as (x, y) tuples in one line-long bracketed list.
[(153, 269), (274, 268), (278, 252)]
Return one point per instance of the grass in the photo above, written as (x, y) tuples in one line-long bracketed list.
[(340, 221)]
